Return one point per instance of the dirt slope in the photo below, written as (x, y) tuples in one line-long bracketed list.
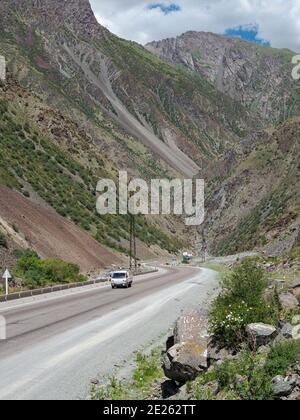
[(51, 235)]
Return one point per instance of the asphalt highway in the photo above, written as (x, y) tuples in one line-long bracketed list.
[(56, 344)]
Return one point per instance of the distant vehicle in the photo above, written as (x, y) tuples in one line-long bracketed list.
[(187, 257), (121, 279)]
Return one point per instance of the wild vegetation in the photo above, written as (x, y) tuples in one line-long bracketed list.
[(241, 303), (36, 273), (250, 376), (148, 370)]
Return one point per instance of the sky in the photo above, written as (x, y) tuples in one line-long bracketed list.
[(267, 22)]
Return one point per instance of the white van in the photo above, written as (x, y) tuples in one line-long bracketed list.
[(121, 279)]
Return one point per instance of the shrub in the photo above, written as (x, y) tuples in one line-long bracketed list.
[(139, 387), (283, 356), (244, 379), (40, 273), (58, 271), (255, 384), (241, 303)]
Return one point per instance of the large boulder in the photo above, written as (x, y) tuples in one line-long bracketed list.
[(192, 326), (283, 387), (184, 362), (260, 334), (187, 357), (288, 301)]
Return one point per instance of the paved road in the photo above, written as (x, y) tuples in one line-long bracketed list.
[(56, 345)]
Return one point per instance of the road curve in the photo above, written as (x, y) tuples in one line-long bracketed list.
[(56, 345)]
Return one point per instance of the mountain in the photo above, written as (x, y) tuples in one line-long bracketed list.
[(59, 50), (54, 164), (81, 104), (257, 203), (257, 76)]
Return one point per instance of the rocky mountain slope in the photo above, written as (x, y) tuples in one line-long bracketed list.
[(55, 165), (257, 202), (58, 50), (32, 225), (257, 76), (90, 104)]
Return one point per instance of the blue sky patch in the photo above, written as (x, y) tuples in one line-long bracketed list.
[(166, 9), (249, 33)]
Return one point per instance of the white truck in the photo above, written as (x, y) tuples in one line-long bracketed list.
[(121, 278)]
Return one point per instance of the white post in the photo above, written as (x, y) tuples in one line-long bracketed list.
[(6, 276)]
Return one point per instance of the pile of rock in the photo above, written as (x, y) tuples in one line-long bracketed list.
[(191, 351)]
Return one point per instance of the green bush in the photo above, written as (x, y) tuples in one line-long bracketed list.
[(36, 272), (241, 303), (257, 377), (140, 387), (255, 385), (283, 356), (241, 379)]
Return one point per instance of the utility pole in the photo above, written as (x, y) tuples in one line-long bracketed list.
[(133, 257)]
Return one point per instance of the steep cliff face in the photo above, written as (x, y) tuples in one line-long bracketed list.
[(46, 16), (258, 203), (57, 49), (257, 76)]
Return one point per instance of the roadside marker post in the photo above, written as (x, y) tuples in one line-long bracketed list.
[(6, 276)]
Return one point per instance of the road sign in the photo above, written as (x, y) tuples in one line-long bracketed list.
[(6, 276)]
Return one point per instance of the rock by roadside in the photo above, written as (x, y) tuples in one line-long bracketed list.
[(260, 334), (283, 387), (188, 356)]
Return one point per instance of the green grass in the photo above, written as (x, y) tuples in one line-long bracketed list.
[(148, 370)]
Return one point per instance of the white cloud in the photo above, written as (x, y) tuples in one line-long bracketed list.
[(278, 20)]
